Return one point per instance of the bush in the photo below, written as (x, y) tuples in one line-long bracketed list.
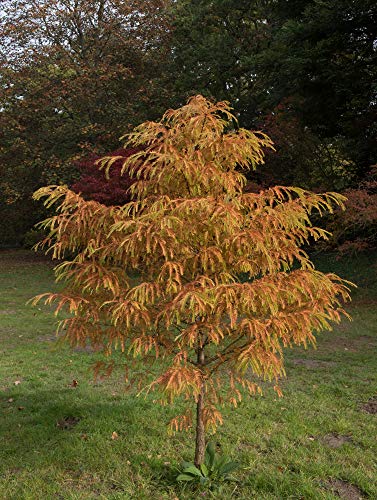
[(95, 185), (356, 228)]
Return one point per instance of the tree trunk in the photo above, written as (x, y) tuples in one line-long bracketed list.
[(200, 443)]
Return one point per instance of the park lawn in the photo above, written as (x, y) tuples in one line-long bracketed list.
[(318, 441)]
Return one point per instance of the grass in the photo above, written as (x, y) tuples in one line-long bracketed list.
[(56, 439)]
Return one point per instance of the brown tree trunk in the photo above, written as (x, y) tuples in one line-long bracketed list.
[(200, 443)]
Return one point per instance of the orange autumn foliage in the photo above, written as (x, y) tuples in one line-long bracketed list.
[(355, 229), (223, 283)]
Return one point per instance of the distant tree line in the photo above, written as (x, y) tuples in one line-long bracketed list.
[(76, 74)]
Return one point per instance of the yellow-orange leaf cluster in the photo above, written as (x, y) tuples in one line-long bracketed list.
[(195, 271)]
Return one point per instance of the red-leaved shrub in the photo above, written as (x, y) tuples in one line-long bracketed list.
[(94, 185), (355, 229)]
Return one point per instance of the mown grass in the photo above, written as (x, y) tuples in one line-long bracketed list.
[(56, 440)]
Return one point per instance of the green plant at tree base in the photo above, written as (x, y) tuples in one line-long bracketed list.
[(214, 470)]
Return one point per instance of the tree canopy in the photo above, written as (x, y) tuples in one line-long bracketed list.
[(75, 74), (222, 284), (311, 61)]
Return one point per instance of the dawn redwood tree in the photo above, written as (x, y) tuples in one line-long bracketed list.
[(223, 284)]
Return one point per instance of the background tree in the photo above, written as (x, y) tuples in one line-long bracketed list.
[(302, 157), (317, 56), (74, 75), (322, 56), (190, 235), (214, 50)]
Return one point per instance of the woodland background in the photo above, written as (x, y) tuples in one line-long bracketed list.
[(75, 75)]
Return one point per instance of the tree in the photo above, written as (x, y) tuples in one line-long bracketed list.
[(260, 54), (223, 283), (214, 51), (301, 156), (74, 75), (93, 183), (322, 56)]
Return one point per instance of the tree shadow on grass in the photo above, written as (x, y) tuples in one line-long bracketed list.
[(62, 427)]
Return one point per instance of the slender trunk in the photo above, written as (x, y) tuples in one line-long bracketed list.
[(200, 443)]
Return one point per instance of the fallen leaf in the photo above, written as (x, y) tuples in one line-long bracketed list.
[(10, 400), (84, 436), (74, 383), (114, 436), (20, 408)]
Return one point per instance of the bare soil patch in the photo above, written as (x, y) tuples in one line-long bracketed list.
[(370, 406), (244, 445), (312, 363), (344, 490), (48, 338), (344, 343), (336, 440), (67, 423)]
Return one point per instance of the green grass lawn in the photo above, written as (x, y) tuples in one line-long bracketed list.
[(56, 440)]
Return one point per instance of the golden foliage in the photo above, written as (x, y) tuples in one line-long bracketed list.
[(189, 237)]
